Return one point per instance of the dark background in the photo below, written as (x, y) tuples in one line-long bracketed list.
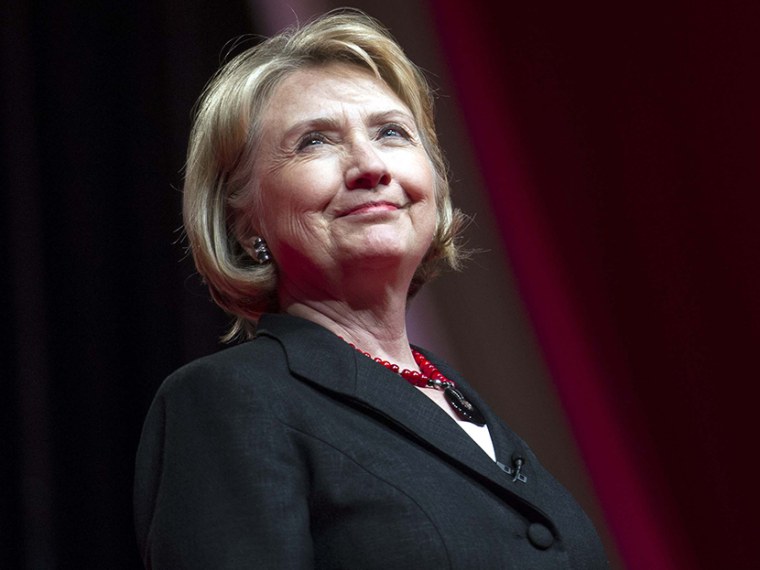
[(620, 143), (99, 302), (620, 148)]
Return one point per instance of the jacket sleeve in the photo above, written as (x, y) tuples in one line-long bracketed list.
[(218, 481)]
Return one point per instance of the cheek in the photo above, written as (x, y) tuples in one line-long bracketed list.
[(416, 175), (428, 179), (291, 210), (432, 203), (427, 185)]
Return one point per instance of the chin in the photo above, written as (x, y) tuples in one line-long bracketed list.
[(387, 254), (385, 243)]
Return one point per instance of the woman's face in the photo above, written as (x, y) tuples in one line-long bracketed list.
[(343, 180)]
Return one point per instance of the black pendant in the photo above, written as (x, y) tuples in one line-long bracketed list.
[(462, 406)]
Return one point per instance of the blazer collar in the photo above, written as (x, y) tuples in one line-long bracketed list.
[(320, 357)]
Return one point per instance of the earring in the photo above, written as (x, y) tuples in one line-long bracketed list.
[(263, 255)]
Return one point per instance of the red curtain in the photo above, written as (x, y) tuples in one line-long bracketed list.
[(620, 146)]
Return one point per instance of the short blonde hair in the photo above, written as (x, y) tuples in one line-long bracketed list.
[(222, 151)]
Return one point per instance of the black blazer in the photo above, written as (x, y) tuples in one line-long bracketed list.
[(294, 451)]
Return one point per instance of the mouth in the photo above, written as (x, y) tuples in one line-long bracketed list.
[(369, 208)]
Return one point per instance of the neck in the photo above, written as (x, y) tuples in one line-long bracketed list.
[(368, 312)]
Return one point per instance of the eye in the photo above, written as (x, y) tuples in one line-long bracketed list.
[(394, 131), (311, 139)]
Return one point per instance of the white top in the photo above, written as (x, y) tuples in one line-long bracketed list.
[(480, 435)]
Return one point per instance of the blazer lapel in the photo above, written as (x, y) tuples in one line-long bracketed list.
[(318, 356), (508, 447)]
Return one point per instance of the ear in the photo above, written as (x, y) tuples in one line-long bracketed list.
[(244, 230), (244, 221)]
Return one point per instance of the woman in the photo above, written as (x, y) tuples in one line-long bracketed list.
[(316, 193)]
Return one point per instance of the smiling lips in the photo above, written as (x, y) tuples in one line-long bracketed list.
[(369, 208)]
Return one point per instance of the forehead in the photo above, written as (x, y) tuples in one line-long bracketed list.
[(328, 90)]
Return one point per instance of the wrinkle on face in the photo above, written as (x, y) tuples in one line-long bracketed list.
[(356, 122)]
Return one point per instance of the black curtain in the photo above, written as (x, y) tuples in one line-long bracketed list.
[(99, 303)]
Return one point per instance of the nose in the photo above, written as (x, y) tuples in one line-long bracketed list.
[(366, 169)]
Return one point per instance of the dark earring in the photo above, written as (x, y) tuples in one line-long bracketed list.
[(263, 254)]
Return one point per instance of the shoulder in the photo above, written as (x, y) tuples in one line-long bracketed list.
[(245, 358), (280, 340), (229, 374)]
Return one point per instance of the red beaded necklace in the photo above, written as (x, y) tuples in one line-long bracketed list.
[(431, 377)]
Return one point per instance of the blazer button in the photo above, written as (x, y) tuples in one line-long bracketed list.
[(540, 536)]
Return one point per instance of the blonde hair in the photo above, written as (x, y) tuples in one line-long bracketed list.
[(222, 150)]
